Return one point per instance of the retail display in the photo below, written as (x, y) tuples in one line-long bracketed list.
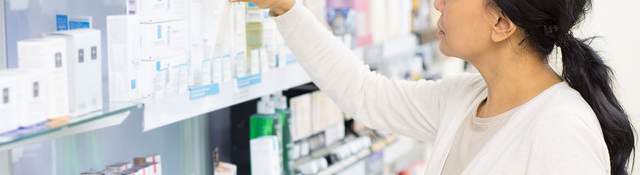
[(24, 99), (124, 59), (313, 113), (192, 57), (49, 54), (84, 60)]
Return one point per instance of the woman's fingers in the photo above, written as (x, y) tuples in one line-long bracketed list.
[(277, 6)]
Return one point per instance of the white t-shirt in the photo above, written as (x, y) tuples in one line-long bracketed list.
[(474, 133)]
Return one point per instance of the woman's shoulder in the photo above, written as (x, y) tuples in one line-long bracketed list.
[(566, 102), (564, 111)]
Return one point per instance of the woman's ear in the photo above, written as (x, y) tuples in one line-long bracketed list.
[(503, 28)]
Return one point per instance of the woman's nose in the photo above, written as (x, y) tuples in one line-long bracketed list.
[(438, 4)]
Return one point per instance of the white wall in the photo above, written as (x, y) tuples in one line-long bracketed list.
[(618, 22)]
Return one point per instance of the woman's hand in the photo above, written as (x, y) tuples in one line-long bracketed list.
[(277, 7)]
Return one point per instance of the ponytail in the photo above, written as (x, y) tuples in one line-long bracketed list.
[(547, 24), (585, 71)]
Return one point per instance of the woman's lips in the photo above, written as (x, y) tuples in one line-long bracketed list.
[(440, 30), (441, 33)]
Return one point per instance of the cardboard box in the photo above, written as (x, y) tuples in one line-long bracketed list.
[(85, 70), (123, 43), (49, 54), (163, 40), (35, 97), (10, 100), (152, 11)]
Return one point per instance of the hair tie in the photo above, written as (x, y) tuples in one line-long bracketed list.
[(551, 30), (564, 39)]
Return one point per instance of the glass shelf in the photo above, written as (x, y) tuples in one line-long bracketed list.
[(110, 116)]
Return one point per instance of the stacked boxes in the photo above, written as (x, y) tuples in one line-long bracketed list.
[(84, 69)]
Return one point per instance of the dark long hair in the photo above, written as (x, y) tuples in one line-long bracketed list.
[(548, 23)]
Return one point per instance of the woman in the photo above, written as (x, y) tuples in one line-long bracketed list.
[(516, 117)]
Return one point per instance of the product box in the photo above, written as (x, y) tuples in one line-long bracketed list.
[(197, 43), (254, 61), (156, 167), (49, 54), (178, 79), (213, 15), (225, 169), (152, 11), (216, 70), (301, 116), (117, 169), (265, 154), (10, 100), (154, 78), (271, 45), (239, 10), (163, 39), (324, 112), (207, 71), (164, 77), (227, 68), (224, 45), (25, 101), (85, 70), (36, 97), (123, 43)]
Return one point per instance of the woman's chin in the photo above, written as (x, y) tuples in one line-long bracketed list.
[(444, 49)]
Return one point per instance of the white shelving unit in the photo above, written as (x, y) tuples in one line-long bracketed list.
[(169, 110)]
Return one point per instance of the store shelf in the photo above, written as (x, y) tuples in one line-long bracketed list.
[(111, 116), (379, 145), (335, 168), (169, 110), (343, 164)]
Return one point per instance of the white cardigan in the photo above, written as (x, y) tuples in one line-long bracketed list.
[(555, 133)]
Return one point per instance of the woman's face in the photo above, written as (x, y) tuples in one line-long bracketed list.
[(464, 27)]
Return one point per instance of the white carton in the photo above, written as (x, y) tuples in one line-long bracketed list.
[(164, 77), (10, 102), (266, 151), (35, 97), (301, 116), (49, 54), (151, 11), (85, 70), (163, 40), (123, 40)]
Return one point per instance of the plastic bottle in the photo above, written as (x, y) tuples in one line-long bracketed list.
[(263, 122), (284, 115)]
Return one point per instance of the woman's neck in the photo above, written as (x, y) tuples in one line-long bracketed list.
[(512, 80)]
